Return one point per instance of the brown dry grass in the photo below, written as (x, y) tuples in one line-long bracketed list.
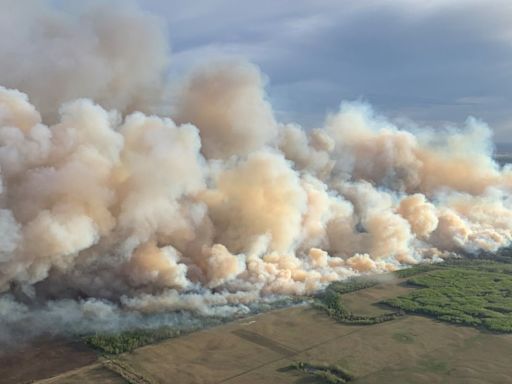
[(42, 359), (411, 349)]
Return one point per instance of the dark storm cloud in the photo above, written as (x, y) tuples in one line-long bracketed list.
[(434, 62)]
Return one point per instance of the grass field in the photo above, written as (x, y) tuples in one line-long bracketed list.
[(43, 358), (260, 349), (114, 343)]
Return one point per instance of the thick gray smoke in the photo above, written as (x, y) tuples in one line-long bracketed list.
[(108, 216)]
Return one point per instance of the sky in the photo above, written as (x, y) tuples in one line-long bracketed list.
[(434, 62)]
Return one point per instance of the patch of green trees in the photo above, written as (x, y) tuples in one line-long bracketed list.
[(331, 301), (476, 293), (115, 343)]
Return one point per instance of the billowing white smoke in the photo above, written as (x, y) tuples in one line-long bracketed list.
[(113, 53), (106, 213)]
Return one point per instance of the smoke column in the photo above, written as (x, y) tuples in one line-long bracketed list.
[(110, 214)]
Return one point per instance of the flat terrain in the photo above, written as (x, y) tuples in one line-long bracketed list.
[(410, 349), (43, 358)]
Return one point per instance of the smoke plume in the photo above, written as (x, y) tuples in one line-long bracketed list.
[(110, 214)]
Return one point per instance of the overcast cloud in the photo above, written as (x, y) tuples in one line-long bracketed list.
[(430, 61)]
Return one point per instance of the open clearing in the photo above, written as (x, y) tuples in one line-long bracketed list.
[(410, 349), (43, 358)]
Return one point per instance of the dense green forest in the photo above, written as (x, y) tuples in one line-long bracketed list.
[(471, 292)]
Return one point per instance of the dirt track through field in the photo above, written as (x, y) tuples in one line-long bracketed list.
[(285, 358)]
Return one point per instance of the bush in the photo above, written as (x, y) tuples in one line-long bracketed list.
[(333, 374)]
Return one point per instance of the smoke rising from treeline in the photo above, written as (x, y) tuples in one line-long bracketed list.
[(109, 214)]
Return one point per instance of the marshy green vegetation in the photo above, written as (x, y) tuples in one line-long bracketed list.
[(465, 291)]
